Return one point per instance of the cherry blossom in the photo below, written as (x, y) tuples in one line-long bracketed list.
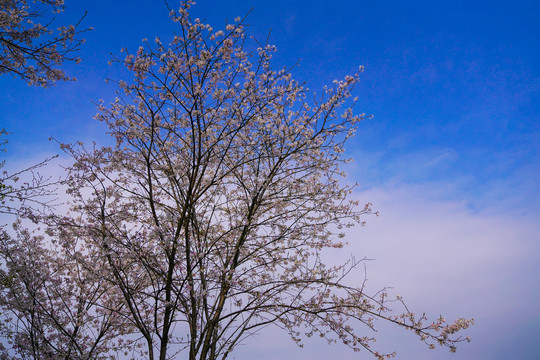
[(33, 51)]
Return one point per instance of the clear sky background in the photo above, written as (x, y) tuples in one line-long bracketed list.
[(451, 158)]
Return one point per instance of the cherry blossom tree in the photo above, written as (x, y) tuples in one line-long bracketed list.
[(49, 304), (209, 217), (31, 50)]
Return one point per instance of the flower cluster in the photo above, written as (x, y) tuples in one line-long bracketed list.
[(32, 51)]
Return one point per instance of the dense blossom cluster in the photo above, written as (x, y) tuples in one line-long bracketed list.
[(205, 222), (31, 50)]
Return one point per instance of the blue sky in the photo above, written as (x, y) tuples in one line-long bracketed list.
[(451, 157)]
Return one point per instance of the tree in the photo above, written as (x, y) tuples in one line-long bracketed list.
[(32, 51), (49, 304), (209, 218), (46, 301)]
